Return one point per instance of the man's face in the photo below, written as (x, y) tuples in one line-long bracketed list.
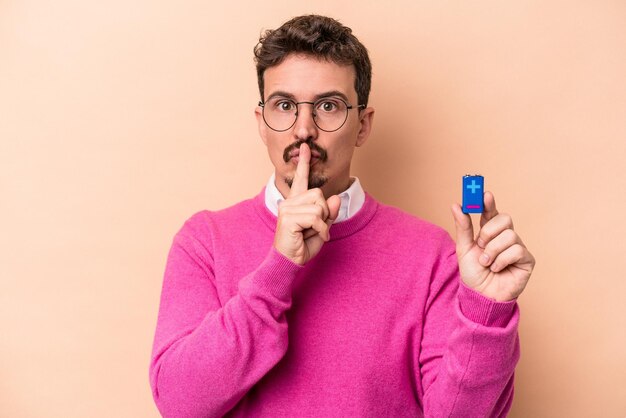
[(305, 78)]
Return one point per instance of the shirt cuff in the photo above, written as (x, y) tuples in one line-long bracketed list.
[(483, 310)]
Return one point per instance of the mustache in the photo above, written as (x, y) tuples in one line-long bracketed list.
[(312, 146)]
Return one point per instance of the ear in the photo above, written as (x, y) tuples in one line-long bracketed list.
[(258, 112), (366, 118)]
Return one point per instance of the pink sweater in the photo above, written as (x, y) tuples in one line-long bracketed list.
[(376, 325)]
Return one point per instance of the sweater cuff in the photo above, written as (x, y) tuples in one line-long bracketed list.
[(483, 310), (277, 274)]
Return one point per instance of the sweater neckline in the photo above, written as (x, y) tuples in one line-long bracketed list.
[(338, 230)]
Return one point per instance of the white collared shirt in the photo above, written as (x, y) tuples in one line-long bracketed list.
[(352, 198)]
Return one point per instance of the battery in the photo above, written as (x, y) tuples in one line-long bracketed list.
[(473, 192)]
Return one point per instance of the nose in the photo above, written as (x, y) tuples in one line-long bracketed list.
[(305, 127)]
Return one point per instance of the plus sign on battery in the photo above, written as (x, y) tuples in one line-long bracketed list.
[(474, 186)]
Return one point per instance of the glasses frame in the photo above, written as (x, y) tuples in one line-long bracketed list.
[(348, 107)]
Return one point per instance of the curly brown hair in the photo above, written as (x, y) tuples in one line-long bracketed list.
[(321, 37)]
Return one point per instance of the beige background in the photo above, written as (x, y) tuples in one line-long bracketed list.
[(118, 120)]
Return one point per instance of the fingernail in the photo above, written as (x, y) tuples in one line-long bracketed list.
[(480, 243), (484, 258)]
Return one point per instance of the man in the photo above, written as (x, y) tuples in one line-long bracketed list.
[(314, 299)]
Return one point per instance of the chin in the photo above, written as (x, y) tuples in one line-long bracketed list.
[(315, 181)]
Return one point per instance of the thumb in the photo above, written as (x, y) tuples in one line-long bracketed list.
[(464, 230), (334, 203)]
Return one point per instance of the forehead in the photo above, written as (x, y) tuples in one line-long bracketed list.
[(306, 76)]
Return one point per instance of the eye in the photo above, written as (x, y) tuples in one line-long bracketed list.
[(284, 105), (327, 106)]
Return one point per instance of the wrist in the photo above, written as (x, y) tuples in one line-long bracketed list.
[(484, 310)]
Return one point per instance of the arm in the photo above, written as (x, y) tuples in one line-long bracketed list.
[(470, 344), (206, 356), (469, 350)]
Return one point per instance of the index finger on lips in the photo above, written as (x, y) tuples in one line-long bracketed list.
[(301, 179)]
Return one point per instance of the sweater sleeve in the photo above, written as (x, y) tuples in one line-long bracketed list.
[(469, 350), (206, 356)]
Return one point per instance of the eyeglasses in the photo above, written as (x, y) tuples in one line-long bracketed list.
[(329, 113)]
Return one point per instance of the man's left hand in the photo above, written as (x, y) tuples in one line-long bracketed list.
[(497, 264)]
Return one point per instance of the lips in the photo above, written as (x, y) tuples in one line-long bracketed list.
[(292, 154), (296, 153), (296, 159)]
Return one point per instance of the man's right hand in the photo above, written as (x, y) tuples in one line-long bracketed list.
[(305, 217)]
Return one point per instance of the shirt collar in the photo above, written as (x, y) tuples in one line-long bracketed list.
[(352, 198)]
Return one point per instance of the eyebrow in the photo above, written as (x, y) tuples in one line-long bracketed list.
[(315, 98)]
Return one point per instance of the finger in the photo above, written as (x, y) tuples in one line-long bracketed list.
[(498, 245), (490, 208), (301, 179), (464, 230), (315, 226), (312, 209), (515, 255), (309, 233), (333, 203), (315, 242), (493, 228), (299, 223), (312, 196)]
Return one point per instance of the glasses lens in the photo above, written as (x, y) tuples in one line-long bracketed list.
[(280, 113), (330, 113)]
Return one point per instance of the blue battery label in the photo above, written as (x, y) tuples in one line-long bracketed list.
[(473, 191)]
